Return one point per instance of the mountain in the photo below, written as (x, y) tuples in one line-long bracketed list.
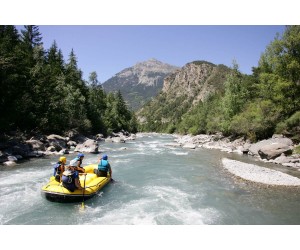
[(139, 83), (181, 91)]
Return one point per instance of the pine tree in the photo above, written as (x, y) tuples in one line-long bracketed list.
[(77, 95), (12, 76), (96, 104)]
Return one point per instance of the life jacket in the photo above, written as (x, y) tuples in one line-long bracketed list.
[(68, 180), (57, 171), (73, 162), (103, 165), (68, 177)]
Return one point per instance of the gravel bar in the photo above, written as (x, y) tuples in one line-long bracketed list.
[(259, 174)]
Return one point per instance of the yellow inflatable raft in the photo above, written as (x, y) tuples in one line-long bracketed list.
[(54, 191)]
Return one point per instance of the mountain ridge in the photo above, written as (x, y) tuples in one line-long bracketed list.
[(139, 83), (182, 90)]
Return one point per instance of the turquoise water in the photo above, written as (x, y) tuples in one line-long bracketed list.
[(155, 185)]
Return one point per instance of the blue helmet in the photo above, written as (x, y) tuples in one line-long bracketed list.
[(104, 157), (80, 155)]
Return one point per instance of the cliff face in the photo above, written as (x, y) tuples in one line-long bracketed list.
[(140, 83), (195, 80), (182, 90)]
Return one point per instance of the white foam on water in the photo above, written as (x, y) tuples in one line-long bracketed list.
[(179, 153), (158, 205), (19, 199), (131, 213), (176, 205), (117, 161), (20, 176)]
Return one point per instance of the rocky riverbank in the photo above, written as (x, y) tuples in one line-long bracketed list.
[(278, 149), (16, 148)]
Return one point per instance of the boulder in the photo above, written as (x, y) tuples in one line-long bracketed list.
[(10, 163), (281, 159), (51, 149), (36, 154), (274, 150), (12, 158), (100, 137), (64, 151), (254, 148), (71, 144), (74, 135), (21, 149), (57, 141), (36, 144), (89, 146)]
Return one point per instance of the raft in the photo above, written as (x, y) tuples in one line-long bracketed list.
[(54, 191)]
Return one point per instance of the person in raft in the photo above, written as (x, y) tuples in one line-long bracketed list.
[(103, 167), (76, 163), (59, 168), (70, 179)]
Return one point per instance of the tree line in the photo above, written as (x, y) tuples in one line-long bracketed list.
[(254, 106), (41, 92)]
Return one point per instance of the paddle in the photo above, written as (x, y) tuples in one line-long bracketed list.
[(82, 204)]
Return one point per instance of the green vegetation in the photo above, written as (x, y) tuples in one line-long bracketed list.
[(254, 106), (42, 92), (297, 150)]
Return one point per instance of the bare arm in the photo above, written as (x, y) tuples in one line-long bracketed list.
[(77, 184)]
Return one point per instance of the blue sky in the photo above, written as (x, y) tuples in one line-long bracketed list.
[(108, 49)]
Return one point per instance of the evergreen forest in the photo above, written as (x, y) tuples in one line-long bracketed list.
[(42, 92)]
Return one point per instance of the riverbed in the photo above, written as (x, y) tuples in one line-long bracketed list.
[(155, 185)]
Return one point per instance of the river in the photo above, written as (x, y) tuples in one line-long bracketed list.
[(154, 185)]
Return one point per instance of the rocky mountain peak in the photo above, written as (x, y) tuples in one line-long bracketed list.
[(147, 72), (190, 78), (141, 82), (182, 90)]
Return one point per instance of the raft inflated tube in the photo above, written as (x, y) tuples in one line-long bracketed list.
[(54, 191)]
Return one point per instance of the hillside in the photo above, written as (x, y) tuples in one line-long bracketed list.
[(139, 83), (181, 91)]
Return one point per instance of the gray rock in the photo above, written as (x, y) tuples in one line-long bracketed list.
[(10, 163), (89, 146), (36, 153), (21, 149), (254, 148), (100, 137), (51, 149), (57, 141), (64, 151), (71, 144), (274, 150), (36, 145), (12, 158), (281, 159)]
